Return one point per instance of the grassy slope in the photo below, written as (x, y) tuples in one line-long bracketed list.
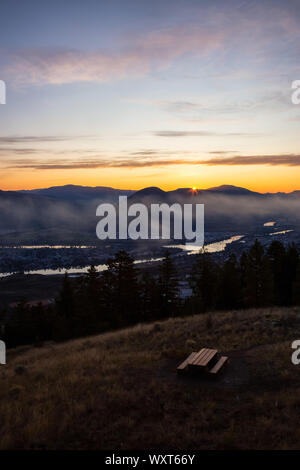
[(120, 390)]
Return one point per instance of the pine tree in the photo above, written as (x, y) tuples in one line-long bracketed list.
[(15, 334), (65, 308), (168, 287), (296, 287), (291, 263), (258, 291), (149, 297), (277, 254), (204, 282), (89, 312), (243, 276), (229, 289), (122, 290)]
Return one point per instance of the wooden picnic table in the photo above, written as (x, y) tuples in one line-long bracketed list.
[(206, 360)]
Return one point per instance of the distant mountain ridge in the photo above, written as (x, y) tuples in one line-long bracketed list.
[(70, 191), (60, 191), (72, 208)]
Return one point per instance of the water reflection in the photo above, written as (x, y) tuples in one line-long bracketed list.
[(282, 232), (210, 248), (189, 249), (38, 247)]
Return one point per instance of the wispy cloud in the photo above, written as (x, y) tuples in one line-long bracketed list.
[(145, 152), (273, 160), (201, 134), (8, 151), (141, 161), (93, 164), (222, 152), (277, 99), (155, 49), (36, 139), (250, 34)]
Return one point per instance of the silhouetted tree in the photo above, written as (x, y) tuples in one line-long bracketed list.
[(122, 297), (168, 287), (289, 273), (89, 312), (258, 290), (229, 288), (65, 307), (204, 282), (276, 254), (150, 295)]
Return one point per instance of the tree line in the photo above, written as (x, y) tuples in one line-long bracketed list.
[(123, 295)]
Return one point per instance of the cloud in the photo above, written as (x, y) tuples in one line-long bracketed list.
[(252, 33), (182, 133), (76, 165), (200, 134), (272, 160), (154, 49), (26, 139), (147, 158), (222, 152), (221, 107), (48, 157), (145, 152), (17, 151)]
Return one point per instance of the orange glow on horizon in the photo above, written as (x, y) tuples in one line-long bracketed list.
[(255, 178)]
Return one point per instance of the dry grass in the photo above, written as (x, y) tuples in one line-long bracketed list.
[(120, 390)]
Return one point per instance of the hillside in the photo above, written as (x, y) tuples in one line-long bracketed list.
[(120, 390)]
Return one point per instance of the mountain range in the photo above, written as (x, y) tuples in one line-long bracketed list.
[(71, 192), (72, 208)]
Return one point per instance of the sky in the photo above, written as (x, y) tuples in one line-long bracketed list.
[(132, 94)]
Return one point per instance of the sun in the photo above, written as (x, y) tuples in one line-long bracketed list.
[(193, 190)]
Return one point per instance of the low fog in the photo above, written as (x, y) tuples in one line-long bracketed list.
[(28, 212)]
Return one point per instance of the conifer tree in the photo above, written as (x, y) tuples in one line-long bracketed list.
[(168, 287), (203, 282), (65, 308), (277, 254), (229, 288), (122, 289), (88, 298), (149, 297), (289, 273), (258, 289), (296, 287)]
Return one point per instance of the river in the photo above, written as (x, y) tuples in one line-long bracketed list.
[(188, 249)]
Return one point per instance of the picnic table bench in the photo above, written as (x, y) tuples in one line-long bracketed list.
[(206, 360)]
